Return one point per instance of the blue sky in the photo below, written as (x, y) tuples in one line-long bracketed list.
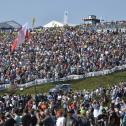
[(46, 10)]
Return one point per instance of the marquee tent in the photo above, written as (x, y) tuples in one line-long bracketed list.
[(53, 24)]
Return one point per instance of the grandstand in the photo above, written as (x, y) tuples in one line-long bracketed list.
[(9, 26), (56, 55)]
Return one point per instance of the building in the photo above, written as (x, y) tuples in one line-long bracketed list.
[(10, 26), (91, 20)]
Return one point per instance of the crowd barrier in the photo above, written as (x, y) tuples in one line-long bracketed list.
[(70, 77)]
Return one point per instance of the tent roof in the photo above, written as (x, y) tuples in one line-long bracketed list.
[(10, 25), (53, 24)]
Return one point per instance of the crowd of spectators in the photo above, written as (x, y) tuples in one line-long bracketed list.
[(59, 52), (99, 107), (56, 53)]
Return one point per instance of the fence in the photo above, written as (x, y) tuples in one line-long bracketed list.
[(70, 77)]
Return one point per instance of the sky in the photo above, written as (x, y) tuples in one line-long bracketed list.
[(45, 11)]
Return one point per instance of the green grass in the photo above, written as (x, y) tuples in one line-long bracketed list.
[(88, 83)]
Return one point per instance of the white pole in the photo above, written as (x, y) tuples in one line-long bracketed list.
[(65, 17)]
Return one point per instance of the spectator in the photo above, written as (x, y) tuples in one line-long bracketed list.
[(26, 119), (33, 118), (9, 120), (60, 119), (47, 121), (70, 121), (17, 117)]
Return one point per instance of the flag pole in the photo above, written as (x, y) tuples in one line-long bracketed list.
[(35, 89), (33, 22)]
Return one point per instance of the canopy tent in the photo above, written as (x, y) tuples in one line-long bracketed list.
[(53, 24), (10, 25)]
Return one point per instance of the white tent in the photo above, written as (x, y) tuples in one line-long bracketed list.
[(53, 24)]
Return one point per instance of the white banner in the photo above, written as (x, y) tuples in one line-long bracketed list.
[(70, 77)]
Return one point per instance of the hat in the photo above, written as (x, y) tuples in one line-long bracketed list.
[(71, 111), (103, 110), (59, 98), (7, 114)]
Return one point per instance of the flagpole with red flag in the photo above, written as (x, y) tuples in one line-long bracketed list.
[(20, 38)]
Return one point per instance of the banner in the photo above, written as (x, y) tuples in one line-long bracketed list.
[(70, 77)]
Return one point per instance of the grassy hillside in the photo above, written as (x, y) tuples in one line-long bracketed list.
[(88, 83)]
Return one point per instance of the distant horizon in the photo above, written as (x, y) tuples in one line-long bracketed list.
[(101, 20), (44, 11)]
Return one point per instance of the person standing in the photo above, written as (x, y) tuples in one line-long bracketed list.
[(70, 121), (48, 120), (26, 119), (61, 121), (9, 120)]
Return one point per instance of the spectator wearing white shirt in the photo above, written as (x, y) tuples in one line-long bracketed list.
[(61, 121)]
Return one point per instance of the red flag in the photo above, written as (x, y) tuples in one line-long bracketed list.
[(20, 38), (15, 44), (27, 36)]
